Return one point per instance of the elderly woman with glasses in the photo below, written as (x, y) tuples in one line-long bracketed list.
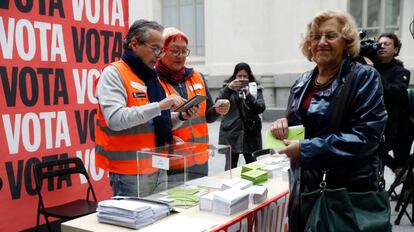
[(187, 82), (340, 104)]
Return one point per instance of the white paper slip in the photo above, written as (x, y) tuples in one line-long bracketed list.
[(277, 159), (236, 183), (208, 181), (130, 205), (257, 194), (230, 201), (230, 196), (206, 202)]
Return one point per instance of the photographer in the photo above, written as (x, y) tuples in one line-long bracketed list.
[(241, 127), (395, 80)]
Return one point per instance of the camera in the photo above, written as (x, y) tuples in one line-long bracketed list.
[(369, 47)]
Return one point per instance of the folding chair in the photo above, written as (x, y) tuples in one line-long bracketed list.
[(258, 153), (72, 209), (407, 192)]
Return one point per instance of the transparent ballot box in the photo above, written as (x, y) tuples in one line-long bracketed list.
[(166, 167)]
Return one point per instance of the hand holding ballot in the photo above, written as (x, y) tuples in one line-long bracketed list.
[(285, 138)]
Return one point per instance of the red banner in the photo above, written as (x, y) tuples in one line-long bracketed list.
[(269, 216), (50, 53)]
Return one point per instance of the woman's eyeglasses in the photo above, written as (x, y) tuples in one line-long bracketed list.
[(178, 52), (330, 36)]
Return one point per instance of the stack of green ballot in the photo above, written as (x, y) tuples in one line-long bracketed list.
[(183, 196), (256, 176), (251, 166)]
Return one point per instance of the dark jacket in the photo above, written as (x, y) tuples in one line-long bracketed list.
[(395, 80), (243, 137), (351, 153)]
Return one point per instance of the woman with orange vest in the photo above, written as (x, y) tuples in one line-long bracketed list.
[(186, 82), (133, 113)]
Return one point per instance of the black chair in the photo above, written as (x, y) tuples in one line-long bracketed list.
[(263, 152), (407, 192), (69, 210)]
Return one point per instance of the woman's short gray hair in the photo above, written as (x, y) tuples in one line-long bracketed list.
[(139, 30), (349, 31)]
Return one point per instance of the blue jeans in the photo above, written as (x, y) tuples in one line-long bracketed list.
[(138, 185)]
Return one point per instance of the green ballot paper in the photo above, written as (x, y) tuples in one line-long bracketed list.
[(294, 133)]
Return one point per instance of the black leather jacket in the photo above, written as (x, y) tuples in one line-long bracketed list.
[(395, 79), (351, 153)]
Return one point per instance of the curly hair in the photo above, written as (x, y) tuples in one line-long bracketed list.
[(394, 37), (349, 31)]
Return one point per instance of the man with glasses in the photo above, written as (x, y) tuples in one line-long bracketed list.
[(395, 79), (187, 82), (133, 113)]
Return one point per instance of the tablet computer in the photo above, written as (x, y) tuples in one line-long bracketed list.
[(197, 99)]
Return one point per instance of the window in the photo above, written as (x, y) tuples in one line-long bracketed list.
[(376, 16), (188, 16)]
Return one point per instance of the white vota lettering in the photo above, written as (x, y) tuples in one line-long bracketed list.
[(6, 39), (93, 74), (22, 26), (62, 130), (12, 134), (31, 122), (43, 28), (57, 44), (77, 7), (96, 174), (23, 34), (28, 130), (83, 83), (239, 226), (105, 12), (80, 84), (47, 117), (85, 163), (261, 219), (89, 14), (271, 218), (89, 161), (117, 13)]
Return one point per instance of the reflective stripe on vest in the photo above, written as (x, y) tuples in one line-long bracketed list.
[(193, 130), (116, 151), (191, 153)]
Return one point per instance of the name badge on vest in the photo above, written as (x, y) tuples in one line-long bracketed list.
[(196, 86), (138, 94)]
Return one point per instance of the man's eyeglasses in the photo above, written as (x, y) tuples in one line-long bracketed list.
[(156, 50), (178, 52), (330, 36)]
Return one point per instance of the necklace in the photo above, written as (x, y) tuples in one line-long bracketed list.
[(317, 85)]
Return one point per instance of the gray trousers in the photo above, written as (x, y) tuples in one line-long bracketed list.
[(138, 185)]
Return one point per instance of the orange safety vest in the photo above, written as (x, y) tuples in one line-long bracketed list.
[(192, 130), (116, 151)]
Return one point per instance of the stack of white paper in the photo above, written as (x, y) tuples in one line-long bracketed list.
[(273, 170), (236, 183), (206, 202), (230, 201), (257, 194), (132, 213)]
